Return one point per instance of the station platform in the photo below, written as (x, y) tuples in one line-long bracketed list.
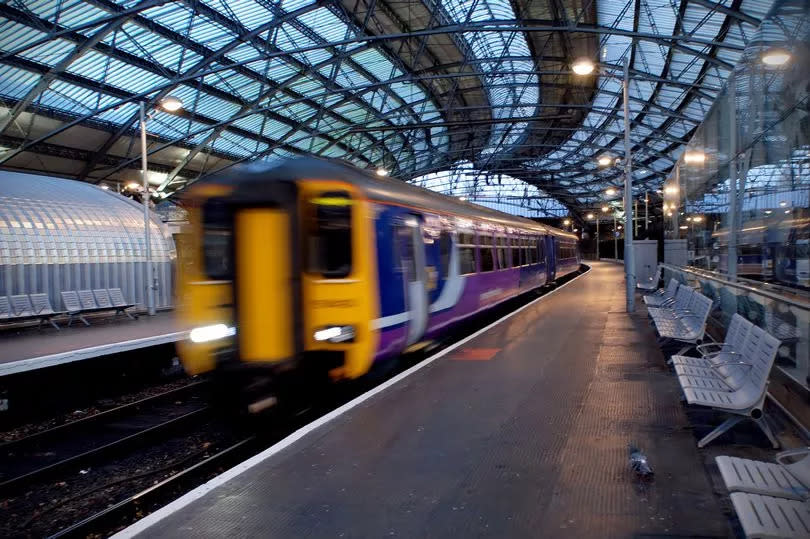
[(520, 430), (30, 349)]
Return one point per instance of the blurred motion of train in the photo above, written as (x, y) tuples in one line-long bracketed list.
[(317, 267), (772, 249)]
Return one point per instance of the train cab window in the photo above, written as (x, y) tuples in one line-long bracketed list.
[(445, 248), (466, 253), (515, 252), (501, 250), (217, 240), (330, 235), (485, 252)]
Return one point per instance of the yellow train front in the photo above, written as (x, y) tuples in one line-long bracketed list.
[(263, 244)]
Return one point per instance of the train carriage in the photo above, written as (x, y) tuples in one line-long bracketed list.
[(318, 267)]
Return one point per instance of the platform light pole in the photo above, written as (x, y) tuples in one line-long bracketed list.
[(586, 66), (170, 104)]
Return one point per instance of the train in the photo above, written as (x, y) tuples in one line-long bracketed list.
[(312, 269), (774, 248)]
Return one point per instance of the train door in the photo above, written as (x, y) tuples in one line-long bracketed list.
[(267, 284), (551, 262), (411, 250)]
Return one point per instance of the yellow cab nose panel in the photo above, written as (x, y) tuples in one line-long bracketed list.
[(264, 291)]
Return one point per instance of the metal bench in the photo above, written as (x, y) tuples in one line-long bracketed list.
[(119, 303), (5, 308), (747, 386), (714, 353), (669, 312), (652, 284), (43, 309), (73, 307), (771, 499), (686, 326), (779, 479), (769, 517), (662, 297), (23, 309), (729, 371)]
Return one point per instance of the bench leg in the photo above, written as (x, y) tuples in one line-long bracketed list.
[(51, 322), (83, 319), (764, 427), (726, 425)]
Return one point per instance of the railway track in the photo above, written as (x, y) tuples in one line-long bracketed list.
[(80, 443), (126, 510)]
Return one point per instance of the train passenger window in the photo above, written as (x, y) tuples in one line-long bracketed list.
[(466, 253), (515, 252), (216, 241), (541, 251), (501, 252), (445, 248), (330, 235), (533, 250), (485, 252)]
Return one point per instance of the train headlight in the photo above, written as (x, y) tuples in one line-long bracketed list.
[(335, 334), (211, 333)]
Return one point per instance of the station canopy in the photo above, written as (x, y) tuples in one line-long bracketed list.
[(419, 89)]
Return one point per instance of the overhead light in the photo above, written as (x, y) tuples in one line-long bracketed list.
[(787, 211), (583, 66), (697, 218), (171, 104), (683, 227), (576, 230), (610, 191), (620, 227), (768, 212), (589, 216), (105, 187), (605, 160), (671, 189), (462, 198), (688, 218), (382, 172), (669, 214), (567, 222), (133, 185), (776, 57), (694, 157), (605, 209), (783, 203)]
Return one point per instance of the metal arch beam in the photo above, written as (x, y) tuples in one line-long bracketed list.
[(46, 79), (684, 102), (209, 55), (125, 57), (254, 39), (733, 13), (142, 6)]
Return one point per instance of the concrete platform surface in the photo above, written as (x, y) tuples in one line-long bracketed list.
[(520, 432), (31, 348)]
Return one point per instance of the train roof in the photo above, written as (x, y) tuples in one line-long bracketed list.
[(376, 188)]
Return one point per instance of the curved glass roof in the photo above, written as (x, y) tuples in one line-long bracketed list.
[(416, 88)]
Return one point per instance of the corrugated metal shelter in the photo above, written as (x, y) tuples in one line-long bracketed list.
[(57, 235)]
